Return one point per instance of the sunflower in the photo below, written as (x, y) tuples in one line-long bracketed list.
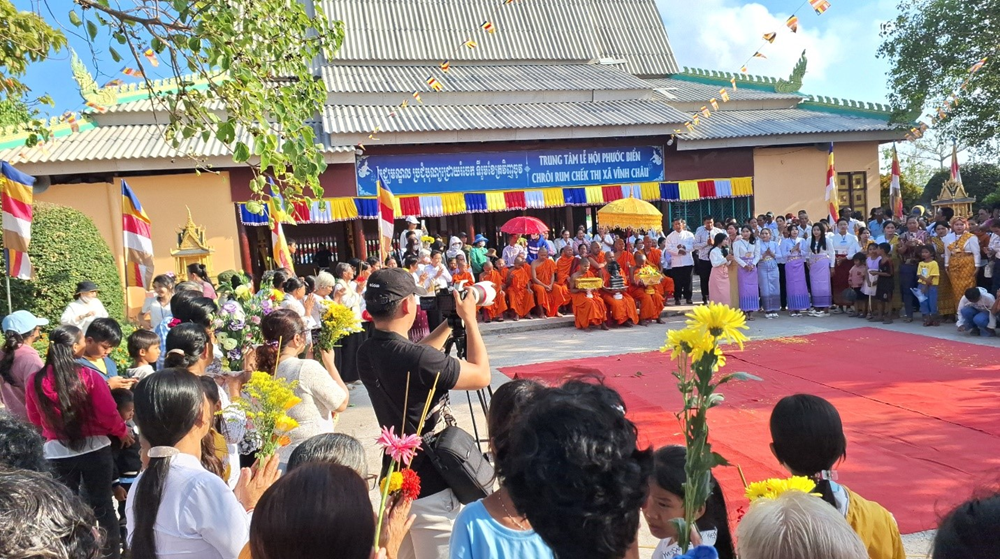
[(719, 321), (760, 490), (773, 488), (285, 424), (801, 483)]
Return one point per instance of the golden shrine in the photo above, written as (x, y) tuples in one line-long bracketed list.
[(191, 248), (954, 196)]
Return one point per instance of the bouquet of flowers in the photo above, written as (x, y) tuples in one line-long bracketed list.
[(338, 322), (405, 484), (773, 488), (266, 401), (237, 327)]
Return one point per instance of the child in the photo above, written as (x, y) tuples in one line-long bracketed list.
[(928, 275), (886, 282), (871, 279), (127, 460), (144, 349), (808, 440), (102, 336), (666, 502), (856, 280)]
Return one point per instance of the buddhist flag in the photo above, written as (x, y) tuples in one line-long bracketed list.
[(471, 44), (977, 66), (696, 120), (138, 241), (705, 112), (769, 37), (743, 69), (416, 95), (446, 65), (488, 26), (724, 95), (151, 57), (17, 200), (819, 6), (956, 174), (833, 206), (279, 246), (895, 192), (386, 217), (759, 54), (689, 126), (733, 81), (132, 72), (714, 103), (434, 83), (793, 24)]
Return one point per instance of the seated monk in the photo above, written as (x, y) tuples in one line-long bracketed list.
[(621, 306), (564, 265), (649, 298), (519, 293), (596, 257), (549, 294), (499, 306), (588, 308), (462, 273), (625, 260)]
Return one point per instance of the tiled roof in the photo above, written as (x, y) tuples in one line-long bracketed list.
[(439, 118), (681, 90), (108, 143), (466, 78), (568, 30), (145, 106), (777, 122)]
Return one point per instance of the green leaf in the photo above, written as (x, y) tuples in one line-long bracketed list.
[(241, 153), (114, 54), (745, 376), (226, 132), (157, 45), (74, 18), (194, 43), (92, 30)]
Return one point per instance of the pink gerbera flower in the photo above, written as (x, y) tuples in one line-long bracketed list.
[(401, 449)]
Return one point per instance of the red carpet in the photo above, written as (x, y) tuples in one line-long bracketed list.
[(921, 414)]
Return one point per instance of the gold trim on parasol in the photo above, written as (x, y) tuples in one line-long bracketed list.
[(631, 212)]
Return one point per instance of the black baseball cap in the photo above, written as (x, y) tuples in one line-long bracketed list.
[(389, 285)]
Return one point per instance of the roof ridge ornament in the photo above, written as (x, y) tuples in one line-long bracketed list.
[(89, 90), (794, 82)]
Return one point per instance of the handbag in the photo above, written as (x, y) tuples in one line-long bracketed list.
[(456, 456)]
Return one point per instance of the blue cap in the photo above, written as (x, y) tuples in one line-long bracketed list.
[(22, 322), (480, 239)]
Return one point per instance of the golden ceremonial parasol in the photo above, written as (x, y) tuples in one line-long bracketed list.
[(630, 212)]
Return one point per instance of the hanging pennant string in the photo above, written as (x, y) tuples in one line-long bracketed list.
[(950, 102), (439, 83)]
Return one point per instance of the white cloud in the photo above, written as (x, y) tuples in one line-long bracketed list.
[(723, 34)]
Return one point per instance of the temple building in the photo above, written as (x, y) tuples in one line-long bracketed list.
[(567, 106)]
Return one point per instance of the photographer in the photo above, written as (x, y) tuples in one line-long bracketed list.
[(385, 360)]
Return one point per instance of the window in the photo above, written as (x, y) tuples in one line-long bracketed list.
[(853, 191)]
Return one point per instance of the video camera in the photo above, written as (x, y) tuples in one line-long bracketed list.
[(483, 293)]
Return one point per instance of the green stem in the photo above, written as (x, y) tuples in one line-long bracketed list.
[(385, 498)]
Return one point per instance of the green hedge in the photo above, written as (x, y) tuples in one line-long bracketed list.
[(66, 248)]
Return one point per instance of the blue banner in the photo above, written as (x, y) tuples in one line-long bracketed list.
[(407, 175)]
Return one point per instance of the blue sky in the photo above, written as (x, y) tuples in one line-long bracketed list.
[(719, 35)]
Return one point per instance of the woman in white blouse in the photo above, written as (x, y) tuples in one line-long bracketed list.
[(746, 251), (768, 276), (296, 300), (177, 508), (721, 258)]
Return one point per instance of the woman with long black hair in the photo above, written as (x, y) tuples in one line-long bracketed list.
[(18, 359), (177, 507), (74, 408), (199, 274)]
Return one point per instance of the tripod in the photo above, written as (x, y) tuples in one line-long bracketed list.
[(458, 342)]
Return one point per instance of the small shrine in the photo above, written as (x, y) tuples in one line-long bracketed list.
[(191, 248), (954, 196)]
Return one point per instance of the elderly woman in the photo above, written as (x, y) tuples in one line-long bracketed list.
[(348, 292), (796, 525)]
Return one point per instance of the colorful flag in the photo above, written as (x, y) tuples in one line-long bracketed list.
[(70, 118), (714, 103), (895, 192), (446, 65), (724, 95), (819, 6), (96, 107), (705, 112), (689, 126), (793, 24), (279, 246), (151, 56), (832, 203), (977, 66), (733, 81), (17, 200), (696, 119), (471, 44), (434, 83), (386, 217), (744, 68), (132, 72), (488, 26), (769, 37), (113, 83), (759, 54), (956, 174), (416, 95), (138, 241)]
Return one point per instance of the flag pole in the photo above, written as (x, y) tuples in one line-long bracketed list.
[(121, 220), (6, 258)]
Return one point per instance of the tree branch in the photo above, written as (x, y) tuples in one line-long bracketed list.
[(125, 16)]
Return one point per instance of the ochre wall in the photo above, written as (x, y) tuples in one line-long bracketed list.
[(165, 199), (790, 179)]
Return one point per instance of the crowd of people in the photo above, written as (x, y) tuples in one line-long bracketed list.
[(153, 461)]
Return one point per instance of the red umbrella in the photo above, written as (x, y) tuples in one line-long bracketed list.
[(525, 226)]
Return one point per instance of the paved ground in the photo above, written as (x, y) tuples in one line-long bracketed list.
[(537, 341)]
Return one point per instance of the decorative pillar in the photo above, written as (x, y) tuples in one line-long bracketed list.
[(470, 229), (246, 260), (359, 239)]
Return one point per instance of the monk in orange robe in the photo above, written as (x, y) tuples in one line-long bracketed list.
[(624, 259), (621, 306), (549, 294), (588, 308), (463, 273), (499, 306), (518, 287), (597, 261), (649, 299), (564, 265)]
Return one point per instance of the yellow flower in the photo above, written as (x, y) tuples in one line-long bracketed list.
[(773, 488), (760, 490), (284, 440), (277, 295), (801, 483), (292, 402), (395, 483), (285, 424), (243, 292), (719, 321)]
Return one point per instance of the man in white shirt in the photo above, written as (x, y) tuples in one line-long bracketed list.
[(606, 239), (412, 224), (703, 239), (805, 225), (680, 245), (513, 250), (977, 312)]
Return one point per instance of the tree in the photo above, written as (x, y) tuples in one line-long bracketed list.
[(243, 71), (911, 192), (14, 112), (931, 46), (980, 180)]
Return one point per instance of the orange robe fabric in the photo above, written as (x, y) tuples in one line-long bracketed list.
[(519, 292), (459, 276), (564, 267), (627, 263), (550, 300), (499, 305), (588, 311), (620, 310), (650, 304)]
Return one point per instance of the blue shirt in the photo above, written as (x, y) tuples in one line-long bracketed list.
[(875, 229), (476, 535), (109, 364)]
